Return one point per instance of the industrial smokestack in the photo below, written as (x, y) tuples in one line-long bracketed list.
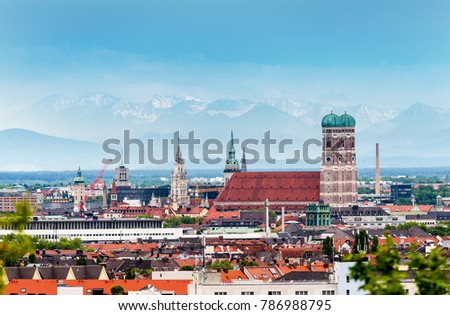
[(377, 171)]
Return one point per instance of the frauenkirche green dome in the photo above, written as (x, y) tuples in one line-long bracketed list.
[(334, 121)]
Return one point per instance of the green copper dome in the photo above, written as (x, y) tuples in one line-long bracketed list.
[(79, 179), (347, 121), (334, 121), (330, 120)]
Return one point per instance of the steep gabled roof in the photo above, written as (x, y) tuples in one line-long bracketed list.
[(250, 189)]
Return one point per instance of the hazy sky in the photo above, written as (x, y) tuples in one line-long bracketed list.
[(382, 53)]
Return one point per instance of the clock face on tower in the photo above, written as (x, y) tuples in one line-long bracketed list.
[(328, 159), (353, 158)]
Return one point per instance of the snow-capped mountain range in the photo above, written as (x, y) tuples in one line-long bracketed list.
[(417, 135)]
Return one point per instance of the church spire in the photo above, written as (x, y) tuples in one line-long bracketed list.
[(178, 158), (243, 161), (232, 163)]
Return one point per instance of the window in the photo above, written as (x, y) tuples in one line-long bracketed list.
[(301, 292), (220, 293), (348, 279), (247, 293), (274, 293), (328, 292), (347, 292)]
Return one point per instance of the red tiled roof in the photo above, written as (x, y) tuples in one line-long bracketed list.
[(407, 208), (213, 214), (277, 187), (49, 287), (231, 275)]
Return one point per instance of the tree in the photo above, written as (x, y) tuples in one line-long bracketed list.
[(32, 258), (117, 290), (430, 273), (81, 261), (328, 246), (130, 273), (381, 277), (223, 264), (14, 246), (361, 242), (248, 263), (187, 268), (374, 245)]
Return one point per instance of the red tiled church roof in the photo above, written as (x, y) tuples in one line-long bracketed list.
[(280, 188)]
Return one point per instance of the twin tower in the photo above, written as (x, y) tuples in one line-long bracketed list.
[(338, 172)]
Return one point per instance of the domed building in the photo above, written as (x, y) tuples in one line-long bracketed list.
[(338, 173), (335, 185)]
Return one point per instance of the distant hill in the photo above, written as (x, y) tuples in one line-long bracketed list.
[(26, 150), (415, 136)]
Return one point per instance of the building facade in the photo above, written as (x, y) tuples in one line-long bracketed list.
[(338, 173), (122, 177), (178, 181), (78, 191)]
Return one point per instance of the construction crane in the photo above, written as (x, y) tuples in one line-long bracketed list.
[(92, 186)]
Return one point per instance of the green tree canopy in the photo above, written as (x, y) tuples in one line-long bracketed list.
[(14, 246), (223, 264), (431, 273), (381, 277), (117, 290)]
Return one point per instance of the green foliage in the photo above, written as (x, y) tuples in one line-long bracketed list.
[(187, 268), (248, 263), (381, 277), (426, 195), (81, 261), (14, 246), (63, 243), (32, 258), (117, 290), (365, 190), (430, 273), (374, 248), (328, 246), (19, 218), (401, 201), (223, 264), (406, 226), (172, 222), (361, 242), (130, 273)]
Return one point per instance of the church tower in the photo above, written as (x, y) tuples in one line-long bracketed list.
[(179, 182), (243, 161), (78, 192), (338, 173), (232, 164)]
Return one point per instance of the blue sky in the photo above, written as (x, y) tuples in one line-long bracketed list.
[(380, 53)]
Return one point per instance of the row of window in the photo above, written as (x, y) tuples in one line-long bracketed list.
[(325, 292), (52, 237), (90, 225)]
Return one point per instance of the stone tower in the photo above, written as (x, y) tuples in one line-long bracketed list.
[(122, 178), (338, 173), (179, 182), (243, 161), (78, 191), (232, 164)]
